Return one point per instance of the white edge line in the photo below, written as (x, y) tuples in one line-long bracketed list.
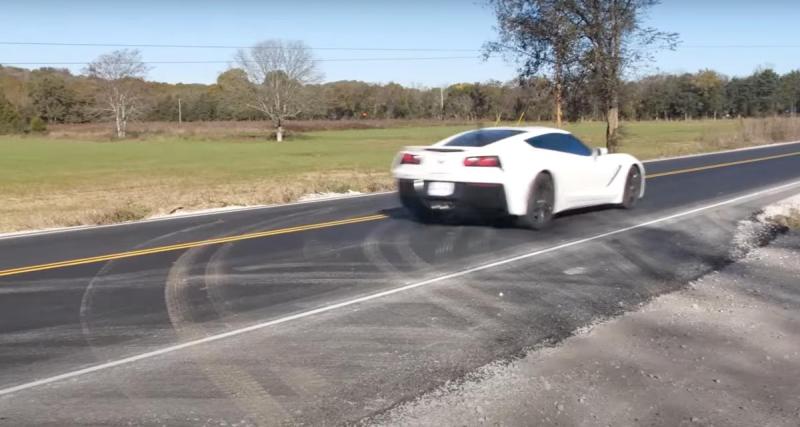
[(710, 153), (235, 332), (17, 234), (21, 234)]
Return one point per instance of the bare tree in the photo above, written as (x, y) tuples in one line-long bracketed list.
[(119, 73), (278, 71)]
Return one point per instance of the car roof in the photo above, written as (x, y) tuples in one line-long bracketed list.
[(526, 132), (529, 131)]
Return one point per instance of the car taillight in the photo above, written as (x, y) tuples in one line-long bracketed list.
[(486, 161), (410, 159)]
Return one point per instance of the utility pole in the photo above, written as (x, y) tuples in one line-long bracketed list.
[(180, 112), (557, 89), (441, 102)]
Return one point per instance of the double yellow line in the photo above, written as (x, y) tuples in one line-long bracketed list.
[(189, 245), (277, 232), (721, 165)]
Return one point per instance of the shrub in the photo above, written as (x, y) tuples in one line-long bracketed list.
[(37, 125)]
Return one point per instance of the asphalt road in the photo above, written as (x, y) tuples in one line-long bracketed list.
[(303, 314)]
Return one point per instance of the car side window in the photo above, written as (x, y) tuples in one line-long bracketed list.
[(576, 146), (562, 142)]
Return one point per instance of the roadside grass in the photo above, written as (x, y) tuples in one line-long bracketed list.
[(57, 181), (790, 220)]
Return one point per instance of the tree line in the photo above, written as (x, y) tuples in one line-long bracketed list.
[(47, 95), (572, 57)]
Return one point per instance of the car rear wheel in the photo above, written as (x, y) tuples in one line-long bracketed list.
[(633, 187), (541, 202)]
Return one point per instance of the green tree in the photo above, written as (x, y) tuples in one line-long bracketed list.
[(789, 93), (542, 37), (458, 102), (393, 101), (232, 89), (710, 90), (347, 99), (52, 100), (200, 106), (616, 41), (12, 86), (10, 121), (652, 98), (608, 37), (164, 108), (765, 84), (480, 101), (740, 97)]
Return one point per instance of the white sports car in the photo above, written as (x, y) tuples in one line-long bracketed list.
[(528, 172)]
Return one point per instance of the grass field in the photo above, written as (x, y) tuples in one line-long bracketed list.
[(50, 181)]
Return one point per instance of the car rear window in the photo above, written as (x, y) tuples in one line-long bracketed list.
[(481, 138)]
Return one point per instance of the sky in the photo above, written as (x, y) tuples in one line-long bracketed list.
[(734, 37)]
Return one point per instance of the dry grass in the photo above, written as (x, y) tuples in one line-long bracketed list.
[(791, 220), (753, 131), (151, 197), (234, 129)]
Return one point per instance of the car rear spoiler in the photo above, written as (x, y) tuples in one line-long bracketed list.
[(445, 150), (436, 149)]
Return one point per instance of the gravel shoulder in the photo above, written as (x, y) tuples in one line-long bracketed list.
[(723, 351)]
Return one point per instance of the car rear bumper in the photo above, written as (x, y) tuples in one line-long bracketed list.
[(487, 197)]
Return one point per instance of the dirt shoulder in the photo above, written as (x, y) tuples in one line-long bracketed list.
[(723, 351)]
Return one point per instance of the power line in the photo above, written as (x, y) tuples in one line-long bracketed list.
[(374, 49), (214, 46), (740, 46), (424, 58)]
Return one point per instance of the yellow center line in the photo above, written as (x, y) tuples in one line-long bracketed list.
[(720, 165), (276, 232), (188, 245)]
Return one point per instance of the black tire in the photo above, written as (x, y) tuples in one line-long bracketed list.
[(633, 187), (541, 201)]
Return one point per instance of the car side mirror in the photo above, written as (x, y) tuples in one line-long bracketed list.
[(600, 152)]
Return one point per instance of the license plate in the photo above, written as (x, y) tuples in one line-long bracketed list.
[(440, 188)]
